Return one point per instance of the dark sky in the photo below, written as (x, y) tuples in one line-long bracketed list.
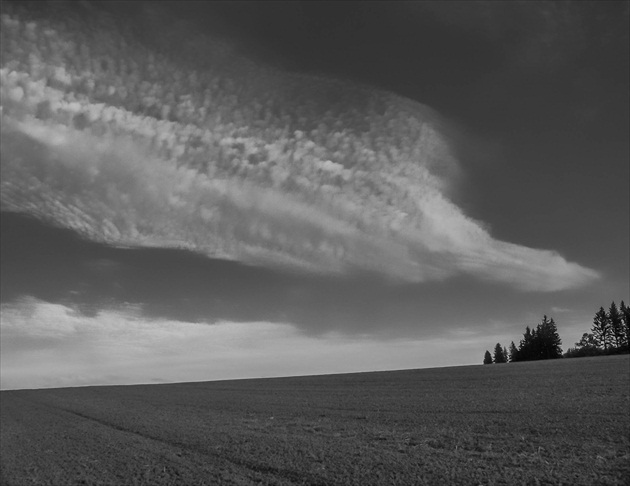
[(535, 102), (90, 276), (539, 91)]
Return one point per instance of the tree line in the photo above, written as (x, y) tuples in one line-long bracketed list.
[(610, 334)]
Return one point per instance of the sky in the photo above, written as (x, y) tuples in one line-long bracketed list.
[(119, 268)]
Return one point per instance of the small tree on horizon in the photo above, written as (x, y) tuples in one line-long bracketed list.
[(624, 310), (525, 350), (602, 333), (499, 357), (487, 358), (616, 326), (526, 346), (548, 339), (513, 352)]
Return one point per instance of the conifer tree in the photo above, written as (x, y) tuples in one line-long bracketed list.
[(513, 352), (543, 342), (499, 357), (616, 326), (526, 345), (602, 333), (487, 358), (548, 340), (625, 317)]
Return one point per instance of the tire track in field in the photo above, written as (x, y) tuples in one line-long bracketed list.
[(253, 466), (63, 447), (71, 452), (273, 474)]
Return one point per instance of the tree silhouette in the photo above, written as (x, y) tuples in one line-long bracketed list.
[(499, 357), (548, 340), (602, 333), (587, 339), (610, 333), (586, 346), (616, 326), (526, 346), (543, 342), (625, 317), (513, 352), (487, 358)]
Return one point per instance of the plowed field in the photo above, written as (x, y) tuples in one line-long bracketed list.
[(554, 422)]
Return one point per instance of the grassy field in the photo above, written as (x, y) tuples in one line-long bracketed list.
[(554, 422)]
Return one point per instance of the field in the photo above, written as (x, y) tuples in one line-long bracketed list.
[(554, 422)]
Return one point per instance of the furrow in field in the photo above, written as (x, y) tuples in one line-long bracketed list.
[(181, 448), (90, 449)]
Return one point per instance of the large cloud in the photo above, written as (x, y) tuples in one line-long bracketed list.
[(239, 184), (115, 192)]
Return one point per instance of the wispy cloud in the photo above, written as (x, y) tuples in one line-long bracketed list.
[(51, 345), (114, 191), (561, 310)]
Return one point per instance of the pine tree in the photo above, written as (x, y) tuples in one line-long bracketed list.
[(602, 333), (526, 345), (536, 352), (487, 358), (548, 340), (616, 326), (543, 342), (513, 352), (499, 357), (625, 317)]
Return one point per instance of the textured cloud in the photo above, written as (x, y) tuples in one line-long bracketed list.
[(114, 192), (363, 183)]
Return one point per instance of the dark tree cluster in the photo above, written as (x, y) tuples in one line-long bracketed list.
[(542, 342), (500, 355), (610, 333)]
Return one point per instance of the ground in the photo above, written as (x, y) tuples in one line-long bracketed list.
[(548, 422)]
